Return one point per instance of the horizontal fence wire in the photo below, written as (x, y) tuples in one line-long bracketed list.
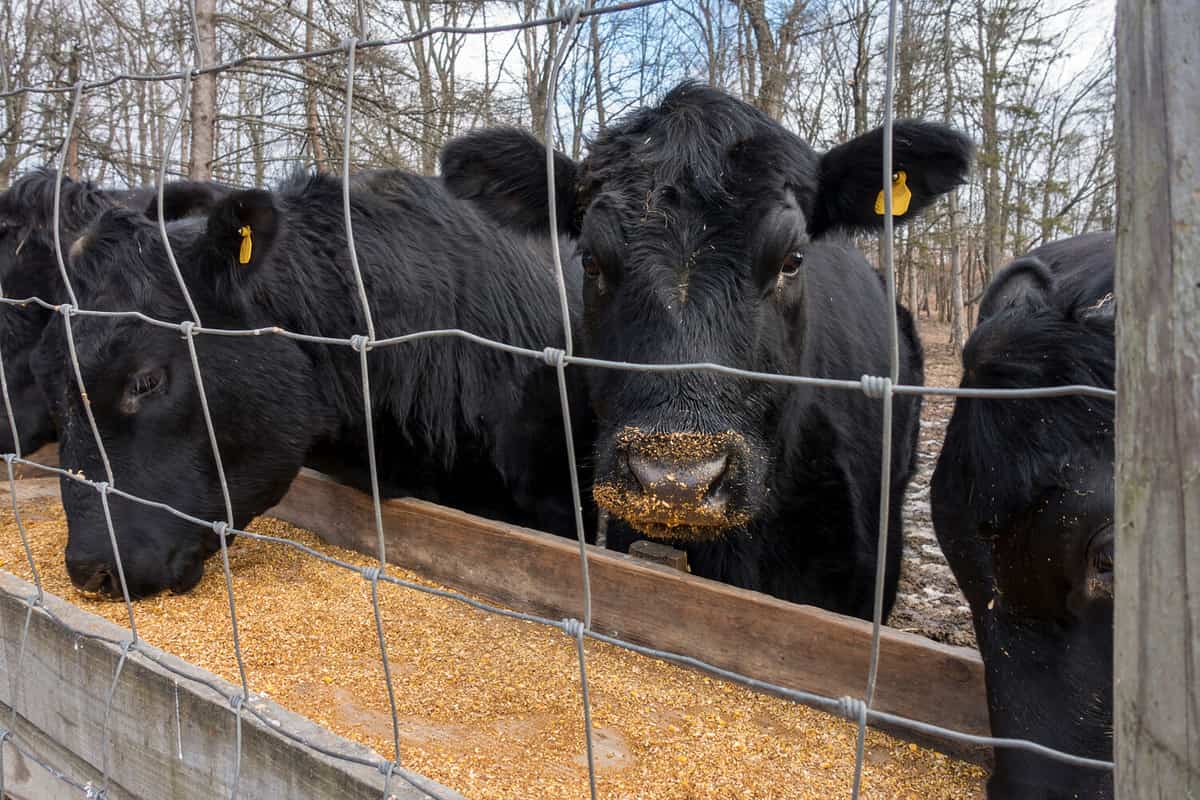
[(882, 388), (832, 705), (551, 355)]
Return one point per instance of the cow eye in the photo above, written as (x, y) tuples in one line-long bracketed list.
[(141, 385), (792, 263), (591, 266), (1100, 563)]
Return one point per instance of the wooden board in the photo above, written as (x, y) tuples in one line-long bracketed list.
[(799, 647), (1156, 668), (169, 737)]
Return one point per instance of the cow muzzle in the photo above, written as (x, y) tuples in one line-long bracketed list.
[(677, 485)]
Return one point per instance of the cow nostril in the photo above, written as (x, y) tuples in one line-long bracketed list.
[(679, 481), (100, 581)]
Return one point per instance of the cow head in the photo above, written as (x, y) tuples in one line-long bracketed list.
[(694, 219), (1023, 505), (29, 268), (265, 405)]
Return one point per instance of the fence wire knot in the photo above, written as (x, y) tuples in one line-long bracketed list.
[(359, 343), (852, 709), (221, 529), (8, 458), (875, 386), (386, 768), (555, 356), (66, 309), (187, 328), (5, 735), (235, 702), (573, 628), (93, 793), (349, 43), (102, 487), (370, 574)]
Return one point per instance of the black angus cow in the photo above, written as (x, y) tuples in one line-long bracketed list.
[(1023, 508), (29, 268), (708, 234), (456, 422)]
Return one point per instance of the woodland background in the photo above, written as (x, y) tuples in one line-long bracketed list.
[(1032, 82)]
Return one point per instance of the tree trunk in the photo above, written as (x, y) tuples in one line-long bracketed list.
[(71, 166), (958, 331), (1157, 636), (313, 122), (597, 73), (860, 80), (204, 93), (989, 154)]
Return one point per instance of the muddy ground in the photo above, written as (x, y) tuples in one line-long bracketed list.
[(929, 602)]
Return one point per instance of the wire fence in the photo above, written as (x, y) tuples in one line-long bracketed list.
[(882, 388)]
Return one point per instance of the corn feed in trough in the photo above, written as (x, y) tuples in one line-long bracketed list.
[(491, 706)]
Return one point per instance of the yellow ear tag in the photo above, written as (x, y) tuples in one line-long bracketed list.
[(900, 195), (247, 245)]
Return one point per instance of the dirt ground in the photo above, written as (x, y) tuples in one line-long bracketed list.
[(929, 602)]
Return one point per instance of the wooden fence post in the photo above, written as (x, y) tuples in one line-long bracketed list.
[(1157, 660)]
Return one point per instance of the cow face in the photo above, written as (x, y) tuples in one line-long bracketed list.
[(1023, 506), (29, 268), (143, 393), (696, 221)]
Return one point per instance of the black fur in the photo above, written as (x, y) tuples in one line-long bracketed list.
[(455, 422), (693, 217), (1024, 277), (935, 159), (1022, 503), (29, 268)]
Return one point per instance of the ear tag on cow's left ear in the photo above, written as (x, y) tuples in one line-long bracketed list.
[(247, 245), (901, 195)]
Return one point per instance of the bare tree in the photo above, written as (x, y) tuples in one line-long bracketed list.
[(204, 93)]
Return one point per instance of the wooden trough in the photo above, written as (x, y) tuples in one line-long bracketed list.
[(800, 647), (757, 635)]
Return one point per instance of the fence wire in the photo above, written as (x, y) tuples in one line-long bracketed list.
[(882, 388)]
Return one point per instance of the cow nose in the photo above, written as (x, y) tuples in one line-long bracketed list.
[(682, 483), (94, 578)]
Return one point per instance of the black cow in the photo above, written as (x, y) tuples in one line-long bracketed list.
[(28, 268), (708, 235), (1023, 507), (455, 422)]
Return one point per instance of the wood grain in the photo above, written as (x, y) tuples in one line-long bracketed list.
[(167, 738), (1157, 658)]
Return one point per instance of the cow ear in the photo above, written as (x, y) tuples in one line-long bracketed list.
[(503, 172), (184, 199), (928, 160), (242, 227), (1027, 278)]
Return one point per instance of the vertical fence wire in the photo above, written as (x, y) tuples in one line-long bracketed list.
[(187, 329), (85, 401), (883, 389), (363, 345), (570, 17), (9, 412)]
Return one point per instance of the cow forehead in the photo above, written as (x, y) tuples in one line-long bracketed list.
[(701, 143)]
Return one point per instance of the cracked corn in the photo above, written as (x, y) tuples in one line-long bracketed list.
[(491, 706)]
